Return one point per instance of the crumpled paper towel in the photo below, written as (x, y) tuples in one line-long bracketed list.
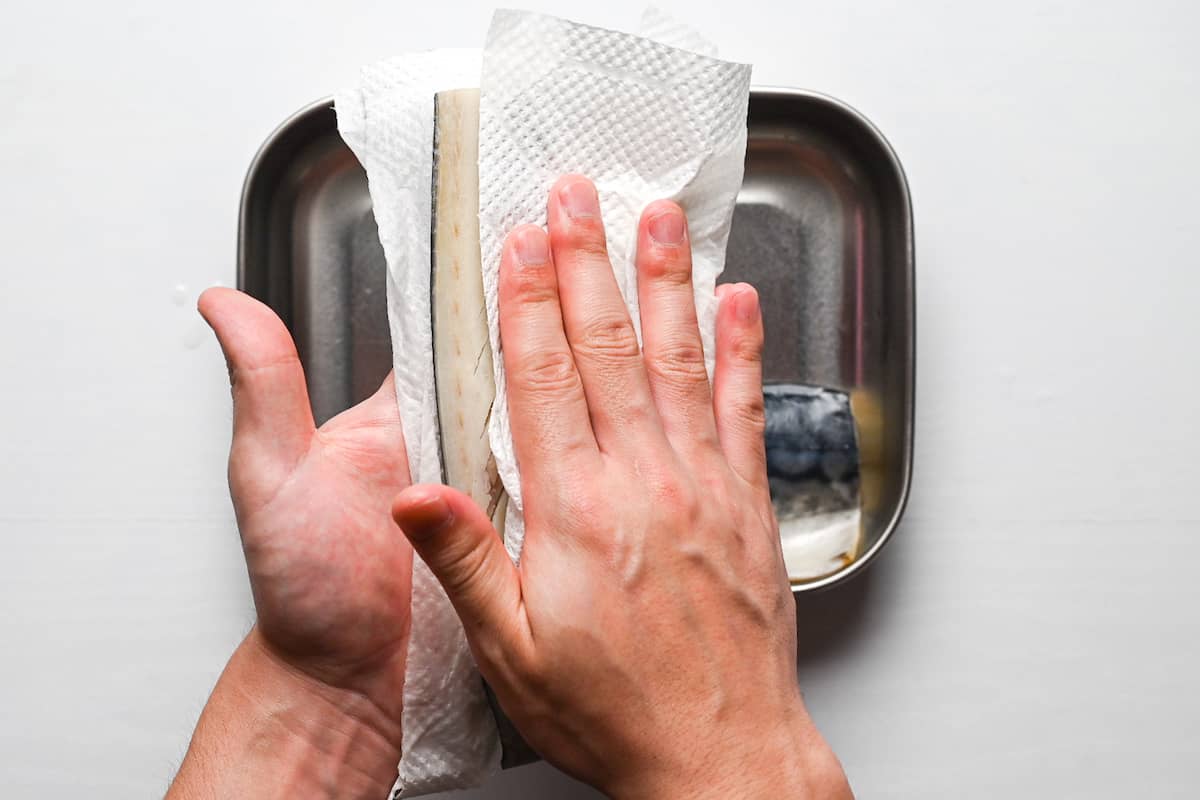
[(449, 733), (641, 119), (645, 121)]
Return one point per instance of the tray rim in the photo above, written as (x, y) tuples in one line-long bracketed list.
[(311, 111)]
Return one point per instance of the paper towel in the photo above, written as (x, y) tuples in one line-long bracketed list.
[(641, 119), (449, 734)]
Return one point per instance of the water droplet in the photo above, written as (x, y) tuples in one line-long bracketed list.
[(196, 334), (179, 294)]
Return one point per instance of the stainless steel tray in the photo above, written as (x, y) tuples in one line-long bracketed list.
[(823, 229)]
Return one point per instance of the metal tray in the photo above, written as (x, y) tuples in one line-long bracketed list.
[(823, 229)]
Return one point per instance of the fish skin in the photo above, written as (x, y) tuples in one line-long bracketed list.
[(811, 448)]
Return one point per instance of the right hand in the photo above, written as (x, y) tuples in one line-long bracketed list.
[(646, 644)]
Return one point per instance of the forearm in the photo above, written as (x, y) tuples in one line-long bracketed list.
[(270, 731)]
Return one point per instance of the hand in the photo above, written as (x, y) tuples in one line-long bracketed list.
[(646, 644), (329, 571)]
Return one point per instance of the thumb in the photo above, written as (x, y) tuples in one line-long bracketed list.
[(270, 399), (463, 550)]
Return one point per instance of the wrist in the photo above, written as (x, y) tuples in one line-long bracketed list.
[(270, 730), (788, 759)]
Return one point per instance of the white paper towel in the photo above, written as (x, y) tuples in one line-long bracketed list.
[(641, 119), (449, 734)]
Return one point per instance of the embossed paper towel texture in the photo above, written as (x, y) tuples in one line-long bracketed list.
[(450, 737), (641, 119)]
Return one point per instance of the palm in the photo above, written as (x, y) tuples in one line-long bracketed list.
[(330, 572)]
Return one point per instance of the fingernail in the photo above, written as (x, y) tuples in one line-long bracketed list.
[(745, 305), (667, 227), (532, 247), (579, 199)]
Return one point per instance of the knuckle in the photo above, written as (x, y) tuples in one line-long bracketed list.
[(265, 371), (674, 496), (749, 414), (532, 285), (714, 487), (607, 338), (746, 346), (680, 362), (460, 567), (667, 265), (580, 237), (550, 372)]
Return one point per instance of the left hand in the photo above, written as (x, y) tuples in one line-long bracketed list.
[(330, 572)]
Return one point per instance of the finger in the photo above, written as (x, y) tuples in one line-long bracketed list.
[(737, 383), (596, 320), (270, 399), (552, 434), (671, 345), (464, 552)]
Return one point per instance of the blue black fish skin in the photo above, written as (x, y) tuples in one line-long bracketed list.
[(811, 448)]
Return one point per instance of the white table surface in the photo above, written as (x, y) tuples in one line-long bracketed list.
[(1030, 631)]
